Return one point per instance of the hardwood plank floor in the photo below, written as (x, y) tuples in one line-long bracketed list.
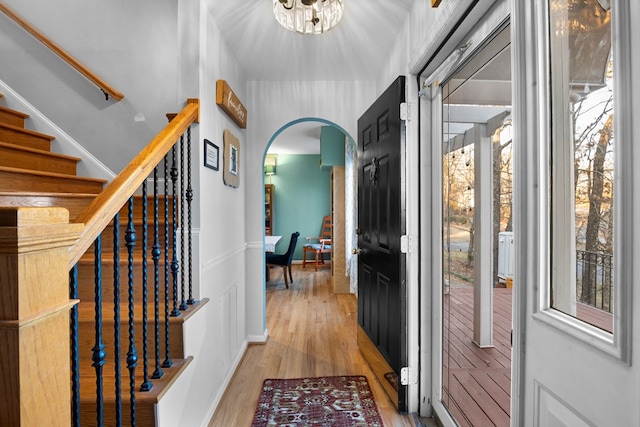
[(312, 333)]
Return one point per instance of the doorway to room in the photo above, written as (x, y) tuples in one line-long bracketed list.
[(310, 173)]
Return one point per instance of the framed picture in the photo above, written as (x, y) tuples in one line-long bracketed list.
[(211, 155), (231, 164)]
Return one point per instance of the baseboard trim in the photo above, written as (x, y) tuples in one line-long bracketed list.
[(225, 384)]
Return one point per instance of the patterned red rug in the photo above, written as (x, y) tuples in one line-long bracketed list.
[(325, 401)]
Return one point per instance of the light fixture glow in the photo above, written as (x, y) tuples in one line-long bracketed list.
[(270, 165), (308, 16)]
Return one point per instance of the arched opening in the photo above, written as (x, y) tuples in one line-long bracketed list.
[(300, 141)]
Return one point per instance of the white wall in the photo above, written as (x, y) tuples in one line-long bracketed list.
[(131, 49), (272, 105), (217, 335), (158, 53)]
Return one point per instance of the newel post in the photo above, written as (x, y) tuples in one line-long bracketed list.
[(34, 316)]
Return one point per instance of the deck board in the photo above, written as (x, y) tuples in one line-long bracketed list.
[(477, 381)]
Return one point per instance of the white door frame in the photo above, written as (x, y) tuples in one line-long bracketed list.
[(431, 380)]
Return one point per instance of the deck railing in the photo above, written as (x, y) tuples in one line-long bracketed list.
[(594, 277), (159, 236)]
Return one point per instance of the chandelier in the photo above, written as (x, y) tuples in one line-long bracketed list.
[(308, 16)]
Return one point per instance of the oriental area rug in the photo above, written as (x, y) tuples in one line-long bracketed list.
[(325, 401)]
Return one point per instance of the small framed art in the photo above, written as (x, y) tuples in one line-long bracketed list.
[(211, 155), (231, 163)]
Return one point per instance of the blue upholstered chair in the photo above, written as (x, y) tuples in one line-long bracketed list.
[(318, 246), (284, 260)]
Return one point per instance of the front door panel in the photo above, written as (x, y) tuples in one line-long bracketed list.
[(381, 287)]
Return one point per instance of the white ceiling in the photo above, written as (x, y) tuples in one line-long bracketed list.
[(355, 50)]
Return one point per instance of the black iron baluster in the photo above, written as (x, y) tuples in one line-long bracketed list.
[(146, 383), (116, 317), (167, 361), (183, 302), (155, 253), (175, 267), (132, 355), (75, 349), (99, 355), (189, 228)]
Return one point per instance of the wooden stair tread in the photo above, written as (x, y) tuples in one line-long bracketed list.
[(86, 310), (20, 136), (51, 174), (38, 151), (21, 157), (16, 179), (160, 385), (27, 131), (14, 112)]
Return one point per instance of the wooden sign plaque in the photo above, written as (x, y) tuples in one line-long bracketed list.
[(230, 104)]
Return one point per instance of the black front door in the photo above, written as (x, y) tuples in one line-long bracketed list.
[(381, 273)]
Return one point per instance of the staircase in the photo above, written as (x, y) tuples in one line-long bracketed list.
[(32, 175)]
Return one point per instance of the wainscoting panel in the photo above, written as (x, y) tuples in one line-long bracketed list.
[(228, 315)]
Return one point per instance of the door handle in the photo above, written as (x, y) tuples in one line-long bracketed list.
[(356, 251)]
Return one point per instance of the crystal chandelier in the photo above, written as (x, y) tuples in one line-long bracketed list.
[(308, 16)]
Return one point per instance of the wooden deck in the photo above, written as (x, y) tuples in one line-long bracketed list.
[(477, 381)]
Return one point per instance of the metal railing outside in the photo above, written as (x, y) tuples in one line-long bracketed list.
[(594, 279)]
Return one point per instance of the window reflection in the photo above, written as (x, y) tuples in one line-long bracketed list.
[(582, 160)]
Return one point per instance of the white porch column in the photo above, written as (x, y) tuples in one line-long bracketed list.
[(483, 240)]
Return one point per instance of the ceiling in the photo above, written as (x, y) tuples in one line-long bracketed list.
[(356, 49)]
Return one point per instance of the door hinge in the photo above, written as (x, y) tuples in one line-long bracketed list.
[(406, 244), (405, 112), (408, 376)]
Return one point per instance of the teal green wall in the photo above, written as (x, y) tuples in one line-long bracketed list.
[(331, 147), (303, 197)]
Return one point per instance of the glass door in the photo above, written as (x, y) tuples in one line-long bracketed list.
[(477, 241)]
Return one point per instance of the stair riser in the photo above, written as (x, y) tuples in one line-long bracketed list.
[(12, 118), (87, 342), (107, 238), (86, 284), (145, 413), (44, 162), (145, 401), (47, 184), (14, 136)]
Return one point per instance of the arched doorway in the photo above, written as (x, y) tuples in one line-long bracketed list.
[(303, 179)]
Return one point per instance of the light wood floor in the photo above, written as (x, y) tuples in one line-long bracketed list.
[(312, 333)]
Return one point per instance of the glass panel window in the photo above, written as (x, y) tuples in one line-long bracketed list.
[(582, 161)]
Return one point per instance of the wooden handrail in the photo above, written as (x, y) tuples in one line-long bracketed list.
[(106, 89), (101, 211)]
